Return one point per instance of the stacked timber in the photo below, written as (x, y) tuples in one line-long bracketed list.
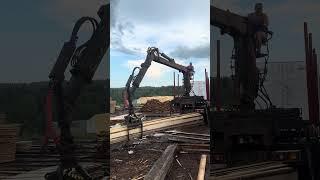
[(155, 106), (143, 100), (120, 133), (8, 139)]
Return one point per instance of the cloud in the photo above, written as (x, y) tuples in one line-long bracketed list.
[(114, 10), (139, 37), (66, 11), (164, 11), (185, 52), (135, 30), (155, 71), (120, 28), (296, 12), (296, 7), (233, 5), (158, 71), (183, 29)]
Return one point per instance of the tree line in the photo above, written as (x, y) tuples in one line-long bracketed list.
[(226, 92), (24, 103)]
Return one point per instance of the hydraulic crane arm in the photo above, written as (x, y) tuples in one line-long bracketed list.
[(84, 62), (228, 22), (167, 61), (153, 54)]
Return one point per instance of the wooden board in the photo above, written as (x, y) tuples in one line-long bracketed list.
[(202, 167), (161, 167), (119, 133)]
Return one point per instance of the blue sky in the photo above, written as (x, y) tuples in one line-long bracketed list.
[(178, 28), (286, 21), (33, 32)]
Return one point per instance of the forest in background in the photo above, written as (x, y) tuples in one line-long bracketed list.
[(24, 103), (116, 93)]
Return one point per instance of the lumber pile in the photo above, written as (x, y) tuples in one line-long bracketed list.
[(120, 133), (155, 106), (143, 100), (8, 138)]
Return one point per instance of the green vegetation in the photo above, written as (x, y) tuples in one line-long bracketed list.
[(24, 104), (226, 92)]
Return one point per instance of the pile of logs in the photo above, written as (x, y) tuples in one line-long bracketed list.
[(155, 106)]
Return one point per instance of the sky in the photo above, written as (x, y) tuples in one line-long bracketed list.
[(178, 28), (33, 32), (286, 19), (32, 35)]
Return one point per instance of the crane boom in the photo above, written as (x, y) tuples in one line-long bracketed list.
[(84, 62), (153, 54), (228, 22)]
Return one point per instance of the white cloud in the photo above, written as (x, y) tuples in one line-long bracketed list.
[(166, 31), (167, 25), (159, 73), (155, 71), (165, 38)]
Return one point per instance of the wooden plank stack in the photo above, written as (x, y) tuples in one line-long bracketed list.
[(8, 139), (156, 106), (120, 133)]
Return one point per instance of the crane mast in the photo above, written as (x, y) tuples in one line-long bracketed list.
[(246, 72)]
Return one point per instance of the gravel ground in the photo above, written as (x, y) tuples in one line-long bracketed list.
[(132, 160)]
